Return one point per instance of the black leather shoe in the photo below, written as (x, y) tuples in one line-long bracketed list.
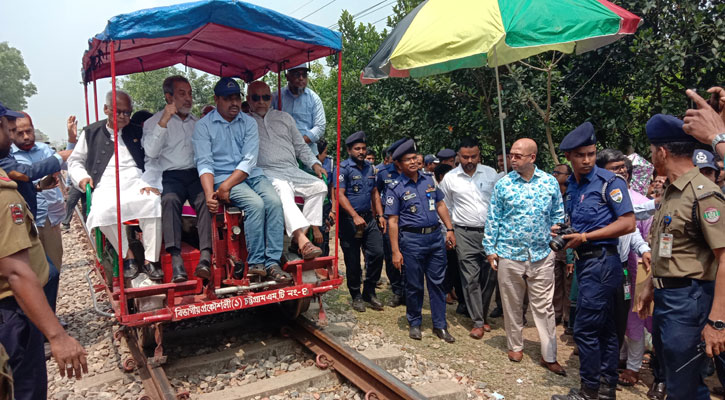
[(657, 391), (178, 272), (578, 394), (396, 301), (607, 392), (374, 303), (130, 269), (496, 313), (358, 304), (153, 270), (461, 309), (443, 334), (414, 333), (203, 268)]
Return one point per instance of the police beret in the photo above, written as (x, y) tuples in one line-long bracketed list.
[(357, 137), (406, 147), (704, 159), (430, 158), (446, 153), (395, 145), (663, 128), (582, 135)]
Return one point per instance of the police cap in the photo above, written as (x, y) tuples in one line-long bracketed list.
[(430, 158), (446, 153), (406, 147), (704, 159), (6, 112), (582, 135), (357, 137), (395, 145), (663, 128)]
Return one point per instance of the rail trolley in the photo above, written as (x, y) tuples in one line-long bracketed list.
[(225, 38)]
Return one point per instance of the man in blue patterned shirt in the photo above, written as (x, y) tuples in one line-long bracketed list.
[(524, 206)]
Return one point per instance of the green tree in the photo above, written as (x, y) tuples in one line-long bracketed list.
[(16, 87)]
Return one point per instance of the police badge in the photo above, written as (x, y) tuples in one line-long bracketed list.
[(16, 213), (413, 209)]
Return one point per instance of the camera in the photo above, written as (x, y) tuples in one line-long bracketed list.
[(558, 242)]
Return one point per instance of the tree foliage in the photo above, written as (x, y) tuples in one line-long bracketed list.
[(617, 87), (146, 90), (16, 87)]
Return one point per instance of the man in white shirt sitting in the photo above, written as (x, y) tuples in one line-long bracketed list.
[(93, 162), (170, 158)]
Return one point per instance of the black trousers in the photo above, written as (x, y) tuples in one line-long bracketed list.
[(453, 276), (396, 278), (70, 204), (621, 310), (371, 243), (180, 186)]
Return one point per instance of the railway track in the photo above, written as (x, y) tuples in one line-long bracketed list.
[(330, 353)]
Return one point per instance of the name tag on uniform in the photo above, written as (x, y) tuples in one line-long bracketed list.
[(409, 196), (431, 205), (666, 245), (357, 177)]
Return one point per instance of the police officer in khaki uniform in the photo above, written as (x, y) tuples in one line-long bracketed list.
[(24, 310), (688, 250)]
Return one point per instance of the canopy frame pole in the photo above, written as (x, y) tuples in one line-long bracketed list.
[(500, 113), (85, 93), (121, 283), (279, 87), (95, 96), (337, 161)]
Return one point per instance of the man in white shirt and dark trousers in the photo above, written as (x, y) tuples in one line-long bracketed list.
[(170, 157), (467, 189)]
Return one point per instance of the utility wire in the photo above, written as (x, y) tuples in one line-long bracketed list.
[(300, 7), (368, 11), (316, 11)]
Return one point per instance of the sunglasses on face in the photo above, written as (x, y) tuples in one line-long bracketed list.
[(126, 113), (256, 97), (296, 74)]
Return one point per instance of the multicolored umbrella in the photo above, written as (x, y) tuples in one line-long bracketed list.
[(442, 35)]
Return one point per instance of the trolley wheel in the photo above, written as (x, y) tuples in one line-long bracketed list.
[(144, 397), (129, 364), (293, 308), (371, 396), (183, 396)]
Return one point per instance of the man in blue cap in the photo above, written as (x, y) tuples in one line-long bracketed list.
[(705, 161), (431, 162), (413, 205), (303, 104), (688, 255), (447, 156), (599, 209), (357, 226), (386, 176), (226, 145)]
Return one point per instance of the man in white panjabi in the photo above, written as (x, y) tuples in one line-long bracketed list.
[(93, 162), (280, 146)]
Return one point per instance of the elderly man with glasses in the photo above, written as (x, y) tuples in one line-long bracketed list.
[(303, 104), (93, 163)]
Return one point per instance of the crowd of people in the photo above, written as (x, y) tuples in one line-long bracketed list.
[(572, 246)]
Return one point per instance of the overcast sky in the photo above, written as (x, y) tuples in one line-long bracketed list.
[(52, 36)]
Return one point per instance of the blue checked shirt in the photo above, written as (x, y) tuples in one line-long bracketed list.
[(521, 215), (50, 203)]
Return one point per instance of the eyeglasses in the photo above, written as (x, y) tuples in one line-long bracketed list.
[(516, 156), (557, 173), (256, 97), (122, 113), (295, 74), (615, 168)]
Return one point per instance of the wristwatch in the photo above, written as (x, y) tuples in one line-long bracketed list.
[(718, 139), (718, 325)]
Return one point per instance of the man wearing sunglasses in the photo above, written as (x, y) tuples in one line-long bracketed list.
[(303, 104), (280, 146), (93, 163)]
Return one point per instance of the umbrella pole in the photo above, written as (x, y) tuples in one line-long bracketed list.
[(500, 115)]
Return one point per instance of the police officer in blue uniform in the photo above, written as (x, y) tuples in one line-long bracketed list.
[(599, 209), (357, 227), (447, 156), (412, 206), (387, 174)]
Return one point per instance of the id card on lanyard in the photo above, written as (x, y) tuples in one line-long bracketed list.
[(666, 240), (431, 202)]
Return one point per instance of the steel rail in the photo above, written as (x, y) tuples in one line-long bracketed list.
[(376, 382), (155, 382)]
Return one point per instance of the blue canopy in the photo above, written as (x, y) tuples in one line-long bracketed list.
[(221, 37)]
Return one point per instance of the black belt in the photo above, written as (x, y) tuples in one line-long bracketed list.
[(426, 230), (469, 228), (366, 215), (594, 251), (671, 283)]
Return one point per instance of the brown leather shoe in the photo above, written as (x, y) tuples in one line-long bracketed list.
[(554, 367), (310, 251), (476, 333), (487, 327), (516, 356)]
